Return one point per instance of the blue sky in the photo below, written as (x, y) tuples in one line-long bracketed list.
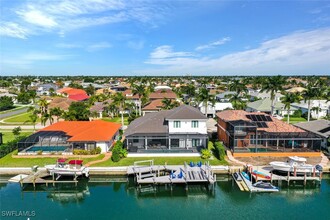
[(159, 37)]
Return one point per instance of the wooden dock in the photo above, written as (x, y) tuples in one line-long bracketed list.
[(39, 177), (165, 174)]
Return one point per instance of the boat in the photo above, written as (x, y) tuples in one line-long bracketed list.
[(295, 164), (237, 176), (264, 185), (72, 168), (246, 176), (258, 174)]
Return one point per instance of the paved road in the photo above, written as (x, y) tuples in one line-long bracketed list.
[(12, 113)]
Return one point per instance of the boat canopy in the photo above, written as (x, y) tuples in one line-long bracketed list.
[(61, 160), (77, 162), (298, 159)]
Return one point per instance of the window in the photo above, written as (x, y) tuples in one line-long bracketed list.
[(195, 142), (194, 124), (177, 124), (135, 140)]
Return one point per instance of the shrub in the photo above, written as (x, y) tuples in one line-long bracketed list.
[(206, 154), (210, 145), (118, 152), (39, 152), (80, 152), (219, 150)]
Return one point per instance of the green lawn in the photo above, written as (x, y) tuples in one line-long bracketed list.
[(116, 119), (21, 118), (8, 161), (9, 136), (158, 161), (294, 120)]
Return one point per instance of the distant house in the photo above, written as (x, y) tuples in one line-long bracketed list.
[(243, 131), (99, 107), (73, 94), (256, 94), (179, 130), (319, 108), (43, 89), (60, 102), (224, 96), (67, 136), (153, 106), (264, 105), (319, 127), (213, 109)]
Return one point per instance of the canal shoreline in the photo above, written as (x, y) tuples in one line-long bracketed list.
[(122, 170)]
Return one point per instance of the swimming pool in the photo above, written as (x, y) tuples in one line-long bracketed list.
[(46, 148)]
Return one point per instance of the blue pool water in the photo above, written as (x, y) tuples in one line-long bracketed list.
[(47, 148)]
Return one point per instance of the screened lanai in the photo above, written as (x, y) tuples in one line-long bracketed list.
[(46, 141), (245, 136)]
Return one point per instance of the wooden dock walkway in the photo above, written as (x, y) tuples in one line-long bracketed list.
[(165, 174)]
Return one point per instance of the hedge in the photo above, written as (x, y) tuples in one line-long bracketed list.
[(219, 150)]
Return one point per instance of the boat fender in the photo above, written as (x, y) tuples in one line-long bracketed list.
[(319, 167)]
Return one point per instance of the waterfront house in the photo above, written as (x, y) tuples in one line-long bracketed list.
[(179, 130), (243, 131), (319, 127), (65, 136), (213, 109)]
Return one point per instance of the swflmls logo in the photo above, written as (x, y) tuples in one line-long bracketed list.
[(18, 213)]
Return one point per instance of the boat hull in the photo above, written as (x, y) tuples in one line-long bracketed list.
[(284, 167)]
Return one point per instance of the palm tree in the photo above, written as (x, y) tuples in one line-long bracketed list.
[(120, 100), (56, 112), (43, 104), (237, 86), (237, 101), (167, 104), (288, 99), (33, 119), (311, 92), (140, 91), (203, 97), (273, 84)]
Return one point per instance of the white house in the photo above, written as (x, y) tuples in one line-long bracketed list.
[(213, 109), (319, 108)]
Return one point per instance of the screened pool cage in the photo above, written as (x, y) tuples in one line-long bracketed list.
[(244, 136), (48, 141)]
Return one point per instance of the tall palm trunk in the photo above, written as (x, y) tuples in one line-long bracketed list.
[(205, 103), (139, 106), (309, 110), (272, 107), (122, 115), (288, 115)]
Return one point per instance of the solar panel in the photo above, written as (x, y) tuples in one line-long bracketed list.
[(254, 118), (324, 130), (259, 117), (249, 117), (261, 124), (263, 118), (268, 118)]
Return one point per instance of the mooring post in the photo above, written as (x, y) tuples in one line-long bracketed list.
[(305, 180), (295, 171), (314, 172), (271, 177)]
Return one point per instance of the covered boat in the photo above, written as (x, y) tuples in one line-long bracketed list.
[(72, 168), (294, 164), (264, 185)]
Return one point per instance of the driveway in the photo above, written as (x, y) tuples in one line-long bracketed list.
[(12, 113)]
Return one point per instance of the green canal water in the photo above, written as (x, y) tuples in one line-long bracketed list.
[(114, 198)]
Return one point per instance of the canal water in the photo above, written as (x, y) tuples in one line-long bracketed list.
[(115, 198)]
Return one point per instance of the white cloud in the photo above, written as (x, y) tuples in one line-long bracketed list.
[(300, 52), (38, 18), (62, 16), (68, 46), (213, 44), (98, 46), (11, 29)]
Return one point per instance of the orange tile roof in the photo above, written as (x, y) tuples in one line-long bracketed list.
[(273, 126), (71, 91), (86, 130), (154, 105)]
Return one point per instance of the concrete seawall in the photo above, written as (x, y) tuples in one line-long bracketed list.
[(122, 170)]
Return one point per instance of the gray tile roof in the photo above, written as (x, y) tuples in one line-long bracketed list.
[(156, 123), (185, 112), (315, 127)]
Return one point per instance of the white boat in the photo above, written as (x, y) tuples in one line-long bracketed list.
[(295, 164), (72, 168)]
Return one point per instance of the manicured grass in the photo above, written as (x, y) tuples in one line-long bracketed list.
[(294, 120), (159, 161), (9, 136), (116, 119), (21, 118), (8, 161)]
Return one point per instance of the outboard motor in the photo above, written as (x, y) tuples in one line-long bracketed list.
[(319, 168)]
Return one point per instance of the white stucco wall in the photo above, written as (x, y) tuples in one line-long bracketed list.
[(186, 127), (103, 145)]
